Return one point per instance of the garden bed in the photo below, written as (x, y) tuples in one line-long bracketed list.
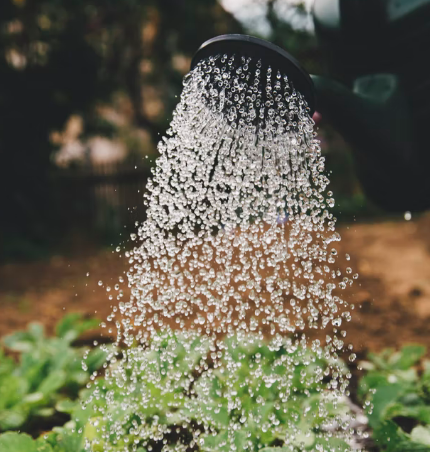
[(43, 388), (391, 296)]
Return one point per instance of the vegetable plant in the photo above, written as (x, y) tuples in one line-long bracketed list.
[(91, 419), (52, 376), (396, 389), (49, 369)]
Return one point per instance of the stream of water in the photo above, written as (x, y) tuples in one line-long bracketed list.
[(234, 267)]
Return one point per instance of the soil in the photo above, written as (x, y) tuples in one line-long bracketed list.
[(391, 296)]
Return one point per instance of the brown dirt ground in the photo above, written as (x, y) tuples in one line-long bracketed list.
[(391, 296)]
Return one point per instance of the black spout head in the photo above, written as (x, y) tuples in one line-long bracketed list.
[(269, 55)]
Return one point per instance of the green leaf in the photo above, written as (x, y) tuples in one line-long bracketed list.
[(96, 358), (390, 435), (408, 376), (67, 323), (34, 398), (53, 382), (25, 341), (44, 412), (336, 444), (7, 364), (66, 406), (91, 432), (419, 412), (80, 377), (34, 367), (241, 437), (383, 397), (262, 411), (17, 442), (43, 446), (215, 443), (37, 331), (21, 341), (421, 435), (68, 441), (372, 380), (12, 390), (304, 439), (12, 419), (73, 325), (218, 414), (410, 355)]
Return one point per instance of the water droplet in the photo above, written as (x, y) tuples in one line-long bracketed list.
[(220, 289)]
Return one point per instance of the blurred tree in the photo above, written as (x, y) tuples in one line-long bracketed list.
[(63, 57), (287, 23), (288, 29)]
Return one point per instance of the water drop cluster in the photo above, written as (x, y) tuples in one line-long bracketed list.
[(235, 264)]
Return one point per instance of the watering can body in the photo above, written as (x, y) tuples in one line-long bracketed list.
[(377, 92)]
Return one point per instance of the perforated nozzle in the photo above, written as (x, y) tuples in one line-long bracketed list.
[(269, 54)]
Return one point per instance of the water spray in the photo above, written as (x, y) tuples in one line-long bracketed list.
[(235, 319)]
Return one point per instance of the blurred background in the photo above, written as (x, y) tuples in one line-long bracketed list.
[(87, 89)]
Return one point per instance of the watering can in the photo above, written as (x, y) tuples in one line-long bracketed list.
[(377, 93)]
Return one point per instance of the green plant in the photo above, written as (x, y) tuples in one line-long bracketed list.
[(396, 388), (48, 370), (176, 413), (49, 377), (256, 399)]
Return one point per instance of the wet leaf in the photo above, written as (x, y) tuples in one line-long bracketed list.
[(17, 442), (421, 435)]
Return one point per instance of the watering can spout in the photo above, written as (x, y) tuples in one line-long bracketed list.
[(374, 118), (339, 106), (378, 49), (372, 113)]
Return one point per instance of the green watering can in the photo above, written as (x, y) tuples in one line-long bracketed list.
[(377, 93)]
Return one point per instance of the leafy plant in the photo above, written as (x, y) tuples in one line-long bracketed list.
[(396, 388), (256, 399), (49, 377), (49, 369), (93, 421)]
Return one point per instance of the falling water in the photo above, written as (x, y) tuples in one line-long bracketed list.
[(234, 268)]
